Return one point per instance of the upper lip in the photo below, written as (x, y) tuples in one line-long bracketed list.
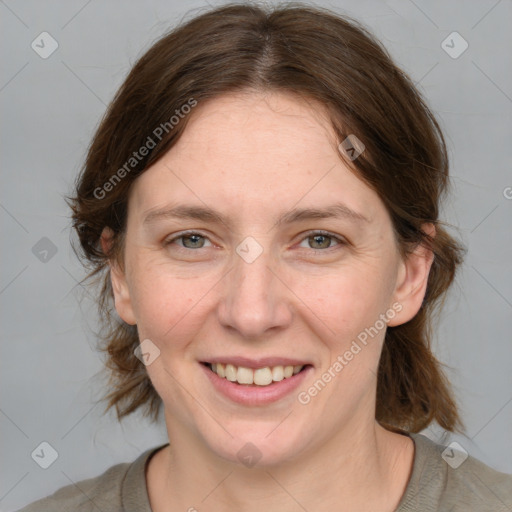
[(256, 363)]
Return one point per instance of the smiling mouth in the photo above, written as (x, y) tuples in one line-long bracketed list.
[(255, 377)]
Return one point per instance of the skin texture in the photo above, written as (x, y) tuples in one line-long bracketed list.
[(253, 156)]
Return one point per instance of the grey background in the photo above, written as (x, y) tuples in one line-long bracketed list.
[(49, 110)]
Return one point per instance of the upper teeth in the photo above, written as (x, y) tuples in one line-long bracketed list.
[(260, 376)]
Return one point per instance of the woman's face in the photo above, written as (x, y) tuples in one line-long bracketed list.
[(273, 284)]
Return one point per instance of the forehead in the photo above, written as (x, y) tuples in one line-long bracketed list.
[(257, 122), (255, 150)]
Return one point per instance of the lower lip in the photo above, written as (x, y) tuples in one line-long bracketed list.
[(256, 395)]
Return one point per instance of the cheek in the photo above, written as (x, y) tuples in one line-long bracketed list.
[(345, 300), (170, 305)]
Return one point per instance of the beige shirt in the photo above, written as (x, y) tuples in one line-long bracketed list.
[(435, 485)]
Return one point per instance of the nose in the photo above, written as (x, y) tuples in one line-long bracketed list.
[(255, 299)]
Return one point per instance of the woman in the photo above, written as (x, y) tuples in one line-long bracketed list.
[(262, 203)]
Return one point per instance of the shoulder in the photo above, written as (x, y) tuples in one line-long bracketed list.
[(103, 490), (447, 478), (107, 492)]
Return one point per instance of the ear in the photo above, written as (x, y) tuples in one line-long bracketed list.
[(412, 280), (123, 303)]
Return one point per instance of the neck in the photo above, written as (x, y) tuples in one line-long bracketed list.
[(358, 469)]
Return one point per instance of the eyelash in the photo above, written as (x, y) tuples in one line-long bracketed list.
[(186, 234)]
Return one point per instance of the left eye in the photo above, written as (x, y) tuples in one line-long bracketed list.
[(322, 240)]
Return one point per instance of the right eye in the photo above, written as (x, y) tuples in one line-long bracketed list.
[(190, 240)]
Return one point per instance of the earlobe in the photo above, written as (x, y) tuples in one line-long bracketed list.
[(412, 280), (120, 287)]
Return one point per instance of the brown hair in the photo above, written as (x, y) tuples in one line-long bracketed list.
[(319, 55)]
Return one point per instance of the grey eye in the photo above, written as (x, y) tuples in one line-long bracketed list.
[(197, 241)]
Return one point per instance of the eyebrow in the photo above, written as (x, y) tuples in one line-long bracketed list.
[(206, 214)]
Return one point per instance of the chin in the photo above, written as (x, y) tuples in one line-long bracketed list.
[(260, 447)]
